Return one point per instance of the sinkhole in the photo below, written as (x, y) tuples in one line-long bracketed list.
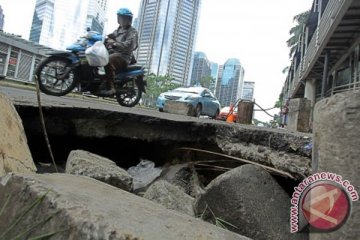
[(162, 147)]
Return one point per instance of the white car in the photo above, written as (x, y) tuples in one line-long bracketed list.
[(202, 99)]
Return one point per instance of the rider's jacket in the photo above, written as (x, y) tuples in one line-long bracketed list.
[(126, 42)]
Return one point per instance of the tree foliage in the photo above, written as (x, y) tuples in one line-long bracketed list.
[(279, 102), (261, 123), (159, 84), (155, 86), (206, 81), (297, 30)]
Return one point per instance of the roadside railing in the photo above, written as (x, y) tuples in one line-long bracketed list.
[(345, 87)]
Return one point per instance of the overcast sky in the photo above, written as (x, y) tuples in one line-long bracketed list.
[(254, 31)]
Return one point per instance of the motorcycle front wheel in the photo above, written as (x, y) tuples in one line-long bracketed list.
[(128, 93), (55, 76)]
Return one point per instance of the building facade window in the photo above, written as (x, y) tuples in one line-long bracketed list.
[(13, 60)]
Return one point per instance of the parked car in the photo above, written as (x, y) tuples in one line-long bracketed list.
[(202, 99), (224, 113)]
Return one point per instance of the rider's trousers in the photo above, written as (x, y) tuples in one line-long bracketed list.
[(116, 64)]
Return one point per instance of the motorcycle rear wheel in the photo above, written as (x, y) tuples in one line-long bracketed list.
[(128, 93), (50, 76)]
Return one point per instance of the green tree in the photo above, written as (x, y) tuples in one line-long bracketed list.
[(297, 30), (276, 121), (206, 81), (279, 102), (157, 85), (260, 123)]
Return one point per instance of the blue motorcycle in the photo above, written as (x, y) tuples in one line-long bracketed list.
[(63, 71)]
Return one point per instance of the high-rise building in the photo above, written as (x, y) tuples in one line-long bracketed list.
[(2, 17), (248, 91), (167, 32), (135, 23), (58, 23), (96, 16), (201, 68), (214, 75), (230, 82)]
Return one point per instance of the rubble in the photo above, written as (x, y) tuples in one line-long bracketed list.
[(91, 165)]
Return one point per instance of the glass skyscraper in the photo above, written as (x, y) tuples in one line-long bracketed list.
[(167, 32), (230, 82), (58, 23), (214, 75), (201, 68)]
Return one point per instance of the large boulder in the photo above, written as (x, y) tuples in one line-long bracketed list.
[(336, 149), (170, 196), (91, 165), (247, 200), (15, 154), (77, 207)]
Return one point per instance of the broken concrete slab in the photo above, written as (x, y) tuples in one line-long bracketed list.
[(170, 196), (247, 200), (283, 150), (180, 108), (15, 154), (77, 207), (298, 166), (100, 168)]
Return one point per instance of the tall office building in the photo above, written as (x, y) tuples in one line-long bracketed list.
[(167, 32), (248, 91), (214, 75), (230, 82), (58, 23), (2, 17), (96, 15), (201, 68)]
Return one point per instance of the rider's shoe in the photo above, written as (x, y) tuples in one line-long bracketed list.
[(103, 86), (109, 90)]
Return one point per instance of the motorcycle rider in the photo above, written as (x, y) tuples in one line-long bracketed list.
[(120, 44)]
